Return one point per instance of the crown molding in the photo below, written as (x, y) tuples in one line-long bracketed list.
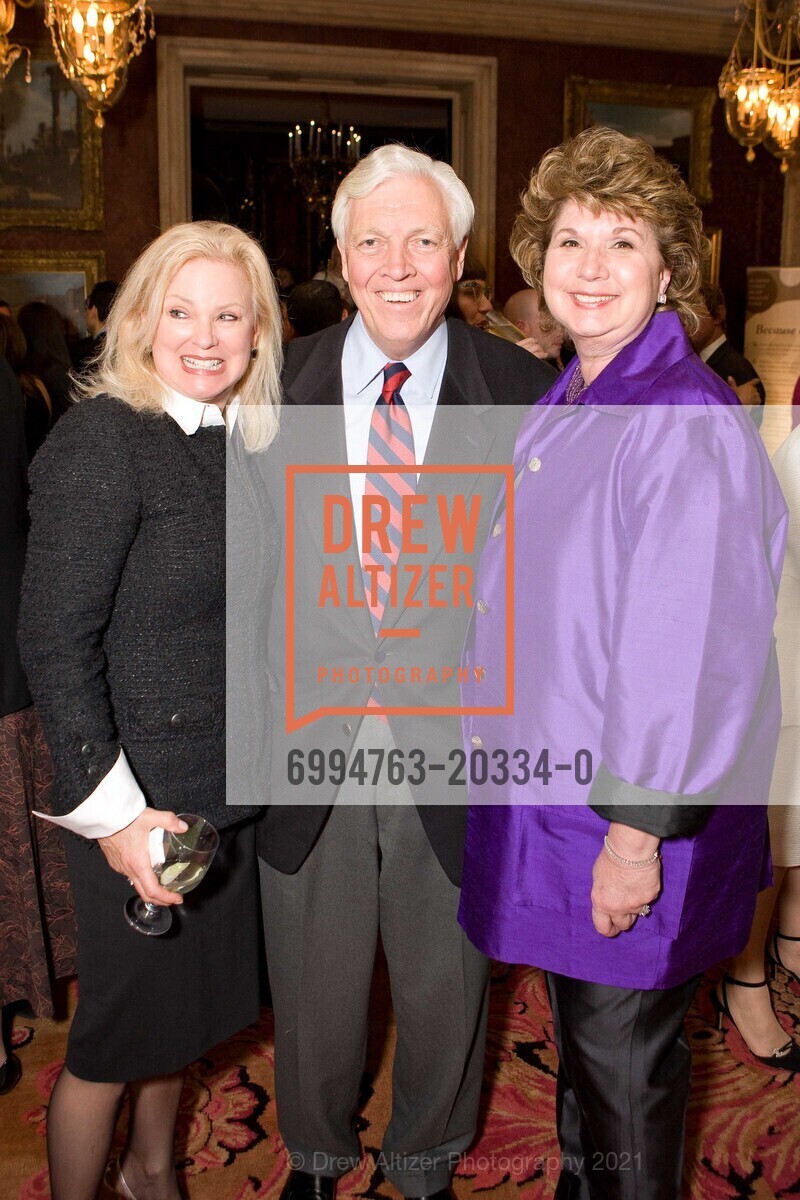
[(679, 27)]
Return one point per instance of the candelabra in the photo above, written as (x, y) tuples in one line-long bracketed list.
[(10, 51), (319, 160), (760, 82), (94, 42)]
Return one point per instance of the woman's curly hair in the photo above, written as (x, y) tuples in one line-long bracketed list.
[(604, 170)]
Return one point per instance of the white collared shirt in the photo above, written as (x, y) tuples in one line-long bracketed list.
[(191, 414), (712, 348), (362, 381), (117, 800)]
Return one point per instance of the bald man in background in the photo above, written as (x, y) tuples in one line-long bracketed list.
[(523, 310)]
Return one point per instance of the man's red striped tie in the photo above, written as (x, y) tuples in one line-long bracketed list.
[(391, 447)]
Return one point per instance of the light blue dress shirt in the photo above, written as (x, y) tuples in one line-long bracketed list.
[(362, 381)]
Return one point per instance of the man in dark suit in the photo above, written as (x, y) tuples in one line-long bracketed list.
[(362, 839), (712, 345), (98, 306)]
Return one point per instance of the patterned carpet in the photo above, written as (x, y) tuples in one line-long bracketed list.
[(743, 1132)]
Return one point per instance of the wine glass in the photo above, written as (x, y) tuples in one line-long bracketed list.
[(186, 858)]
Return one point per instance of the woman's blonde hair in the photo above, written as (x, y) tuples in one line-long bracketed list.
[(125, 365), (604, 170)]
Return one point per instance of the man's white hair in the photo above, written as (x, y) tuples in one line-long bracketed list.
[(396, 161)]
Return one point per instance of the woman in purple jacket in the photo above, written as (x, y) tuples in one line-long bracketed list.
[(614, 837)]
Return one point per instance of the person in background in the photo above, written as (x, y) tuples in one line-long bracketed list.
[(313, 306), (38, 943), (523, 309), (471, 297), (284, 280), (644, 503), (48, 353), (39, 413), (743, 994), (471, 301), (98, 305), (122, 632), (711, 343)]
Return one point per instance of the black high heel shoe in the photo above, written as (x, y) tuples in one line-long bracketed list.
[(785, 1057), (774, 958), (10, 1074)]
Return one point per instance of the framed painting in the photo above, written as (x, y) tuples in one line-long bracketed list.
[(51, 154), (61, 278), (676, 122)]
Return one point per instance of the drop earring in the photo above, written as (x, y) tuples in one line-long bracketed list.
[(254, 352)]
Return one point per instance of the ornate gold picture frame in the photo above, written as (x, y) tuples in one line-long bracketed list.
[(62, 278), (51, 154), (674, 121)]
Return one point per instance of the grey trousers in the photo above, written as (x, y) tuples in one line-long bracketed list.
[(622, 1091), (372, 871)]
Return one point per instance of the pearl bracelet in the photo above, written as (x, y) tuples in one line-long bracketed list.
[(637, 864)]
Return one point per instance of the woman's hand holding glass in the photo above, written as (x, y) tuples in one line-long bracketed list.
[(127, 852)]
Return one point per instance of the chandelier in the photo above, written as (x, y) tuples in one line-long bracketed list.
[(319, 160), (94, 42), (760, 82), (9, 52)]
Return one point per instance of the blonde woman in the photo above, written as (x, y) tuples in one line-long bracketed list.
[(123, 638)]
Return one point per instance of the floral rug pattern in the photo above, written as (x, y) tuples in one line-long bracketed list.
[(743, 1131)]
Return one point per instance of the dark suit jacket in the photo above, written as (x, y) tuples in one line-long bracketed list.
[(486, 386), (83, 351), (727, 362)]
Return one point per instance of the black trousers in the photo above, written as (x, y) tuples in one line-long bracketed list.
[(623, 1088)]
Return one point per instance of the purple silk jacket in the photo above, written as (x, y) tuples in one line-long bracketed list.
[(649, 532)]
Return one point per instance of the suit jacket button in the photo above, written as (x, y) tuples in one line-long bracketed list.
[(176, 720), (535, 464), (87, 749), (93, 771), (482, 606), (347, 728), (380, 655), (476, 741)]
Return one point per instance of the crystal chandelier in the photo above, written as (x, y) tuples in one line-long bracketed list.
[(319, 160), (94, 42), (9, 51), (760, 82)]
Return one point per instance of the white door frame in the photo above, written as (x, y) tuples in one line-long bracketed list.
[(469, 82)]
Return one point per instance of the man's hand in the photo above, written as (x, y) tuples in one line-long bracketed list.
[(127, 853), (532, 346), (619, 892), (747, 392)]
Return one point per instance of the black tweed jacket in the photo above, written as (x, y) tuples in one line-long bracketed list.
[(123, 612)]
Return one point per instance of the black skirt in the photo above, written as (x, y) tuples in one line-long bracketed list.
[(148, 1006)]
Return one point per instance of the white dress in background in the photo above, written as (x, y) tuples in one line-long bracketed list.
[(784, 813)]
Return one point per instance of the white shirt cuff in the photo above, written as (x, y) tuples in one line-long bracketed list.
[(115, 802)]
